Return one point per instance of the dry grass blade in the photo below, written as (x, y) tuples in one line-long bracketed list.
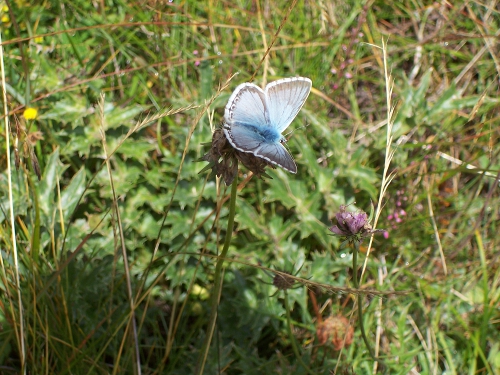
[(387, 176), (132, 321), (20, 334)]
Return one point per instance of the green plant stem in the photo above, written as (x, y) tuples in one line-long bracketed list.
[(219, 276), (292, 338), (360, 299)]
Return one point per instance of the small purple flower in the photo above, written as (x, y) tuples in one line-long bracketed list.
[(197, 62)]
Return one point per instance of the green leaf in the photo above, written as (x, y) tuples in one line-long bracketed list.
[(137, 150), (446, 103), (48, 184), (21, 200), (363, 178), (248, 218), (119, 116), (67, 110), (72, 194)]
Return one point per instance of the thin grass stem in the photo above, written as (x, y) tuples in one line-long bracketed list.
[(360, 299), (219, 275), (292, 338), (19, 333), (130, 293)]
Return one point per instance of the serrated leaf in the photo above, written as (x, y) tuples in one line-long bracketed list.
[(138, 150), (122, 116), (248, 218), (67, 110), (278, 192), (49, 79), (363, 178)]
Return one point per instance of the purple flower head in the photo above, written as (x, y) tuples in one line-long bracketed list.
[(350, 223), (354, 225)]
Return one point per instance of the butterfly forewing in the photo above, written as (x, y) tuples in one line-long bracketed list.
[(284, 99), (246, 106)]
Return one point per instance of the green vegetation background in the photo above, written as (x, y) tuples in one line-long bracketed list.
[(143, 71)]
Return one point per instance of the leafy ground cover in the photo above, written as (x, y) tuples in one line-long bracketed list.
[(110, 234)]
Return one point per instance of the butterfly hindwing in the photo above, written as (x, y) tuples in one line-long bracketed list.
[(277, 154), (243, 137)]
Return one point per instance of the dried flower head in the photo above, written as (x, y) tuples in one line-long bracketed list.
[(223, 159), (283, 282), (337, 330)]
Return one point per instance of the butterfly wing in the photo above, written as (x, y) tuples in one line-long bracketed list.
[(243, 137), (284, 99), (246, 139), (246, 106), (277, 154), (245, 112)]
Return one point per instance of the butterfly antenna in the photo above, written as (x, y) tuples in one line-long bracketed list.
[(300, 127)]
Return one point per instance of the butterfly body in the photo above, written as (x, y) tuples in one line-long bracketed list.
[(254, 118)]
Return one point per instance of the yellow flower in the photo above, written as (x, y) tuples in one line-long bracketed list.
[(39, 39), (200, 292), (30, 113), (5, 9), (5, 18)]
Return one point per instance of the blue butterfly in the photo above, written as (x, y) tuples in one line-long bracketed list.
[(254, 118)]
